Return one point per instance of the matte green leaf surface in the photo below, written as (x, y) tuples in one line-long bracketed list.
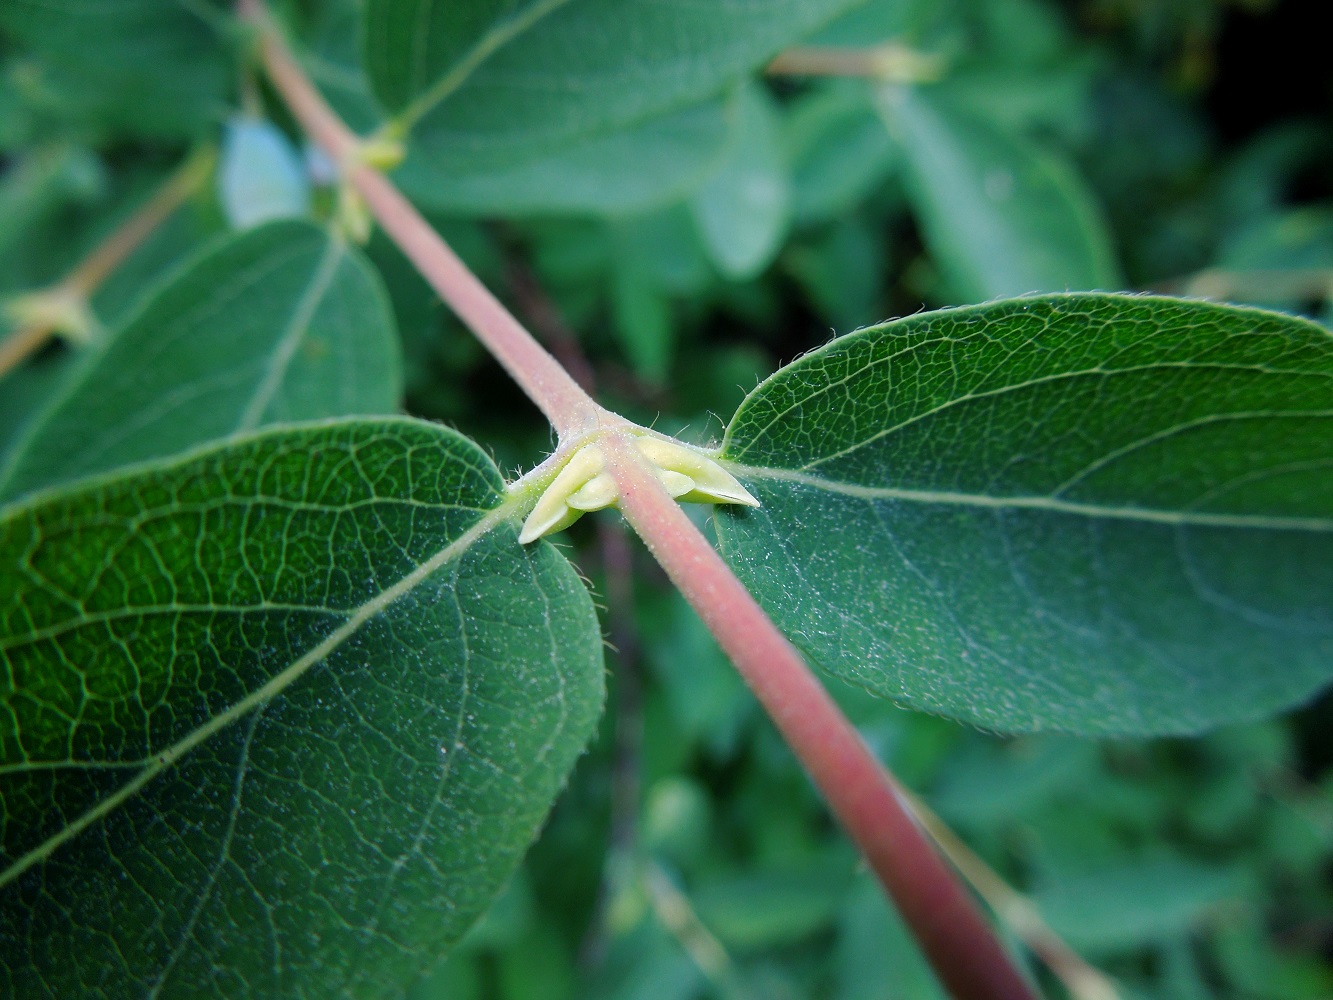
[(153, 68), (1001, 217), (1093, 513), (743, 209), (640, 167), (487, 83), (1130, 905), (282, 323), (277, 719)]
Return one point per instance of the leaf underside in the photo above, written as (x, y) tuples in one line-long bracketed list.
[(1093, 513), (279, 718)]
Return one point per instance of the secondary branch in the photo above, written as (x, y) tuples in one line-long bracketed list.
[(570, 410), (69, 297)]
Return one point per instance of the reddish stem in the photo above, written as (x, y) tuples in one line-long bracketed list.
[(958, 941), (570, 410), (947, 923)]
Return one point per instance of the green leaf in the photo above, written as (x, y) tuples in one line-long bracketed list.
[(1093, 513), (144, 66), (644, 166), (281, 323), (1135, 904), (1000, 216), (33, 188), (279, 717), (26, 390), (839, 149), (742, 210), (875, 947), (489, 83), (642, 322), (776, 907)]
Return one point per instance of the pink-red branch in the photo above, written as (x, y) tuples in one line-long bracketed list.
[(570, 410), (947, 923), (965, 953)]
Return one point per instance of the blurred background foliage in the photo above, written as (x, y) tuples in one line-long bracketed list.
[(944, 153)]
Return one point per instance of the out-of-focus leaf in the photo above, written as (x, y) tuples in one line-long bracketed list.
[(646, 963), (1000, 216), (649, 164), (1135, 904), (677, 820), (876, 956), (283, 715), (539, 967), (708, 700), (772, 908), (1005, 783), (839, 151), (143, 66), (1091, 513), (281, 323), (843, 270), (477, 83), (743, 208), (641, 317), (1283, 260), (26, 391), (36, 184)]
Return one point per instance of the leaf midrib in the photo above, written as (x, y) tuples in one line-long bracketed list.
[(165, 759), (1047, 504), (778, 416), (298, 325), (486, 46)]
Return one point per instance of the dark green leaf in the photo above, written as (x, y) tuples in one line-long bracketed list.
[(280, 717), (281, 323), (1092, 513)]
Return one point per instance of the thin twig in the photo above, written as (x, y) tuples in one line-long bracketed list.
[(951, 930), (1083, 981), (891, 62), (673, 910), (77, 287), (570, 410), (1221, 284)]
